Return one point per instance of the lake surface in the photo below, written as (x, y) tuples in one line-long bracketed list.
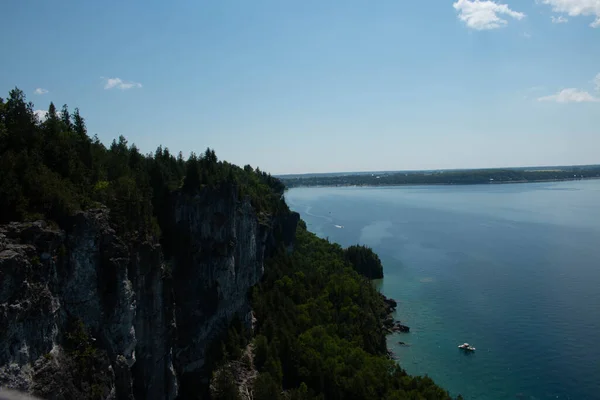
[(512, 269)]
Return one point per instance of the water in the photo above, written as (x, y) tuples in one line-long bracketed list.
[(512, 269)]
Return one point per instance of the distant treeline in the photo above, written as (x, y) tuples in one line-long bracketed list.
[(464, 177)]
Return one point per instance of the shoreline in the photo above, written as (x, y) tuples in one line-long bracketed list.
[(447, 184)]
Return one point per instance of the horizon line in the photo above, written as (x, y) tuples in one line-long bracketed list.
[(436, 169)]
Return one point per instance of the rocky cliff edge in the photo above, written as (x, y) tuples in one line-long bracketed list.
[(84, 314)]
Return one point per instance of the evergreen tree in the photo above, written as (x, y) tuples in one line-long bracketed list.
[(65, 117), (191, 182), (19, 121), (266, 388), (79, 124), (225, 386), (52, 115)]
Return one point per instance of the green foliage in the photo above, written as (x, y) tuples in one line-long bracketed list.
[(228, 346), (78, 342), (300, 393), (225, 386), (266, 388), (52, 169), (322, 321), (365, 261), (87, 363), (261, 351)]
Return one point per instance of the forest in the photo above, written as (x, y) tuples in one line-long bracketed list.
[(462, 177), (319, 330), (52, 168)]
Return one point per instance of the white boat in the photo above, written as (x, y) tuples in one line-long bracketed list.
[(466, 346)]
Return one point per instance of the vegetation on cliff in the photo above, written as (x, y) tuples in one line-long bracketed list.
[(320, 328), (365, 261), (52, 168)]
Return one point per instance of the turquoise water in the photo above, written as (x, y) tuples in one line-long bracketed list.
[(512, 269)]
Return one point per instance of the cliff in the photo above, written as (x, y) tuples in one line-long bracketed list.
[(86, 314)]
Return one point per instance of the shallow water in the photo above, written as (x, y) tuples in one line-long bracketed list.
[(512, 269)]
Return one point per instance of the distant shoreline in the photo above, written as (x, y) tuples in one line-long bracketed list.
[(442, 184)]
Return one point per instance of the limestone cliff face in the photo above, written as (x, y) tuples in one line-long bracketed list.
[(84, 314)]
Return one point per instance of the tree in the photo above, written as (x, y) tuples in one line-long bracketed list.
[(3, 131), (225, 387), (265, 388), (365, 261), (210, 156), (79, 124), (66, 117), (19, 121), (52, 115), (301, 393), (191, 182), (261, 351)]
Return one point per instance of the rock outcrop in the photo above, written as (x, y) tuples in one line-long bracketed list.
[(389, 324), (85, 314)]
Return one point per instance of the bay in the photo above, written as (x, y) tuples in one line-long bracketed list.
[(513, 269)]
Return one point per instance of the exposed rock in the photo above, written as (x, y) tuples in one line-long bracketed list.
[(153, 372), (391, 355), (390, 303), (243, 374), (7, 394), (398, 327), (84, 314), (221, 254)]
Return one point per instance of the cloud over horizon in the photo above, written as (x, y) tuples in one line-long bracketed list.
[(576, 8), (40, 91), (484, 15), (118, 83), (570, 95)]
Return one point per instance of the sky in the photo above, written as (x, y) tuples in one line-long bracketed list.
[(320, 86)]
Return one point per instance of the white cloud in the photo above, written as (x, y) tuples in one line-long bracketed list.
[(41, 114), (482, 15), (576, 8), (559, 20), (40, 91), (111, 83), (570, 95), (597, 82), (527, 35)]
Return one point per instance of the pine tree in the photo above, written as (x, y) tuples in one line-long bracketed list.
[(66, 117), (52, 115), (225, 386), (79, 124), (19, 121), (191, 182)]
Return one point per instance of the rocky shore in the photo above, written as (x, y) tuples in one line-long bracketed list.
[(390, 325)]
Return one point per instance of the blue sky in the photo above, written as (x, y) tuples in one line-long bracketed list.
[(321, 86)]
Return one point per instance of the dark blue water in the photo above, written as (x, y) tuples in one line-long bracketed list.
[(512, 269)]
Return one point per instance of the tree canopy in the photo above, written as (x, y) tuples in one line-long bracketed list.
[(320, 331), (365, 261), (52, 168)]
